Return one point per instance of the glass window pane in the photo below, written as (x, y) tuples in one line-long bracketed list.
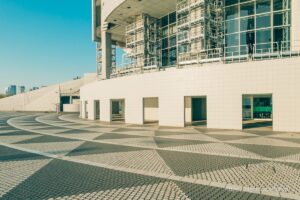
[(165, 57), (172, 41), (263, 21), (164, 43), (230, 2), (232, 26), (247, 38), (164, 32), (165, 21), (281, 19), (232, 40), (263, 41), (247, 9), (172, 18), (231, 12), (172, 29), (173, 56), (263, 6), (247, 24), (277, 5)]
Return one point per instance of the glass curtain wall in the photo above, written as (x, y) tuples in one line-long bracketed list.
[(168, 40), (256, 26)]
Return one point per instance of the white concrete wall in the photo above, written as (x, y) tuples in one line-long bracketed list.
[(188, 110), (295, 28), (223, 85), (71, 108), (44, 99), (151, 109)]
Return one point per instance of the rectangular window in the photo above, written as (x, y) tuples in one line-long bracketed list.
[(165, 57), (263, 21), (164, 43), (247, 24), (173, 56), (165, 21), (232, 40), (172, 18), (247, 9), (172, 41), (263, 41), (281, 19), (230, 2), (232, 26), (231, 12), (263, 6), (164, 32)]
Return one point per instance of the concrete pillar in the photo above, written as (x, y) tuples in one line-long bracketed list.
[(106, 54), (134, 111), (105, 110), (295, 25), (91, 110), (171, 111)]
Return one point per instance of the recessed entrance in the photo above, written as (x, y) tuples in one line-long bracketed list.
[(97, 109), (118, 110), (195, 111), (86, 114), (150, 107), (257, 112)]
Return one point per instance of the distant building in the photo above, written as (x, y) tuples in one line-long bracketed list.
[(11, 90), (33, 88), (20, 89)]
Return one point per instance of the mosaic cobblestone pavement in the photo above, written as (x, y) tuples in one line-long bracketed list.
[(50, 156)]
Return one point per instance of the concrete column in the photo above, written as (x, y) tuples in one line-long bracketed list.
[(105, 110), (295, 25), (106, 54), (82, 109), (134, 110), (171, 110), (91, 110)]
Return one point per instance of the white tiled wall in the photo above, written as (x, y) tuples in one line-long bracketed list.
[(223, 85)]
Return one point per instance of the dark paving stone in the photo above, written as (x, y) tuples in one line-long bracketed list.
[(50, 128), (268, 151), (189, 163), (18, 133), (9, 154), (63, 178), (128, 130), (168, 142), (206, 130), (88, 148), (262, 133), (7, 128), (295, 140), (76, 131), (204, 192), (166, 133), (46, 139), (116, 136), (229, 137)]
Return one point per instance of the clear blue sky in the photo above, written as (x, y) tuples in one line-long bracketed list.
[(44, 41)]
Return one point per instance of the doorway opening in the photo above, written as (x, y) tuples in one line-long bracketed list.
[(118, 110), (258, 112), (196, 111), (97, 110), (86, 114), (150, 109)]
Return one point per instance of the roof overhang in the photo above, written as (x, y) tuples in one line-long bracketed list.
[(125, 13)]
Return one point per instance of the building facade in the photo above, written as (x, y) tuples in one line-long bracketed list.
[(11, 90), (222, 63), (20, 89)]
